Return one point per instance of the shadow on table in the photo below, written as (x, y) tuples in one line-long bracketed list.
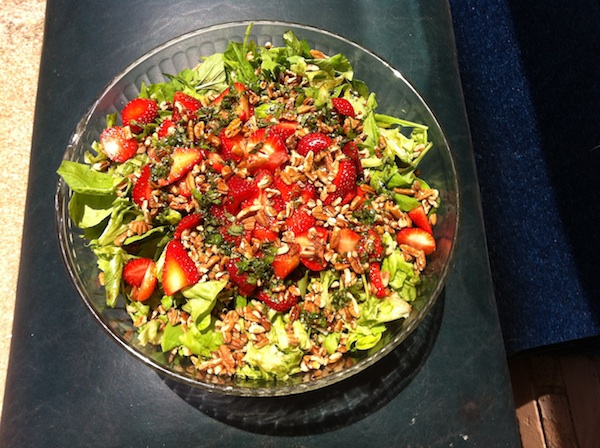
[(326, 409)]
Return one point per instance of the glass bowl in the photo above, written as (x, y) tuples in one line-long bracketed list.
[(395, 97)]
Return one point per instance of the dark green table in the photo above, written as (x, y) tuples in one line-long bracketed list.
[(69, 385)]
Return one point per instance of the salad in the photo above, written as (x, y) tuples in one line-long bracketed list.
[(257, 215)]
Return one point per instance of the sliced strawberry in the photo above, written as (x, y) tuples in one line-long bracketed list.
[(351, 151), (315, 142), (243, 109), (309, 191), (134, 270), (371, 246), (376, 281), (179, 269), (264, 234), (138, 113), (417, 238), (118, 144), (343, 107), (289, 301), (288, 192), (239, 190), (270, 155), (284, 129), (316, 239), (284, 264), (146, 288), (183, 160), (142, 190), (348, 241), (216, 161), (345, 183), (166, 128), (184, 104), (245, 288), (300, 222), (233, 148), (183, 188), (188, 222), (420, 219)]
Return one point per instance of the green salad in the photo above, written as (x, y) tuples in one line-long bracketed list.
[(256, 214)]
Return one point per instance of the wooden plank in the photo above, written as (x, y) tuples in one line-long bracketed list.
[(528, 416), (581, 375), (557, 422)]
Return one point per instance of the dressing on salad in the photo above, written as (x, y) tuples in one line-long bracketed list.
[(257, 215)]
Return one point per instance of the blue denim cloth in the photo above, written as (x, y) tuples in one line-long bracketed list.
[(530, 72)]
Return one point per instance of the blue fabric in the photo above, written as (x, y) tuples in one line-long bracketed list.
[(531, 77)]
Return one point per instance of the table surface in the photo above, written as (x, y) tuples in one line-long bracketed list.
[(69, 385)]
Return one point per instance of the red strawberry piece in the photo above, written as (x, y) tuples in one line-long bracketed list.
[(284, 264), (288, 301), (179, 269), (146, 288), (118, 144), (284, 129), (319, 238), (183, 189), (243, 109), (300, 222), (351, 151), (348, 241), (315, 142), (417, 238), (420, 219), (288, 192), (139, 112), (183, 160), (184, 104), (264, 234), (343, 107), (166, 128), (239, 190), (219, 212), (376, 281), (233, 148), (215, 160), (142, 190), (239, 279), (188, 222), (134, 270), (221, 96), (345, 183), (270, 155), (309, 191), (371, 246)]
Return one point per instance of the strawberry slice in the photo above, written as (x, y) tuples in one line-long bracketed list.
[(134, 270), (417, 238), (348, 241), (239, 190), (166, 128), (284, 264), (270, 155), (118, 144), (233, 148), (264, 234), (371, 246), (284, 129), (184, 104), (351, 151), (179, 269), (315, 142), (215, 160), (345, 183), (316, 262), (146, 288), (309, 191), (300, 222), (376, 281), (288, 192), (142, 190), (281, 307), (183, 160), (343, 107), (243, 109), (188, 222), (138, 113), (245, 288), (420, 219)]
